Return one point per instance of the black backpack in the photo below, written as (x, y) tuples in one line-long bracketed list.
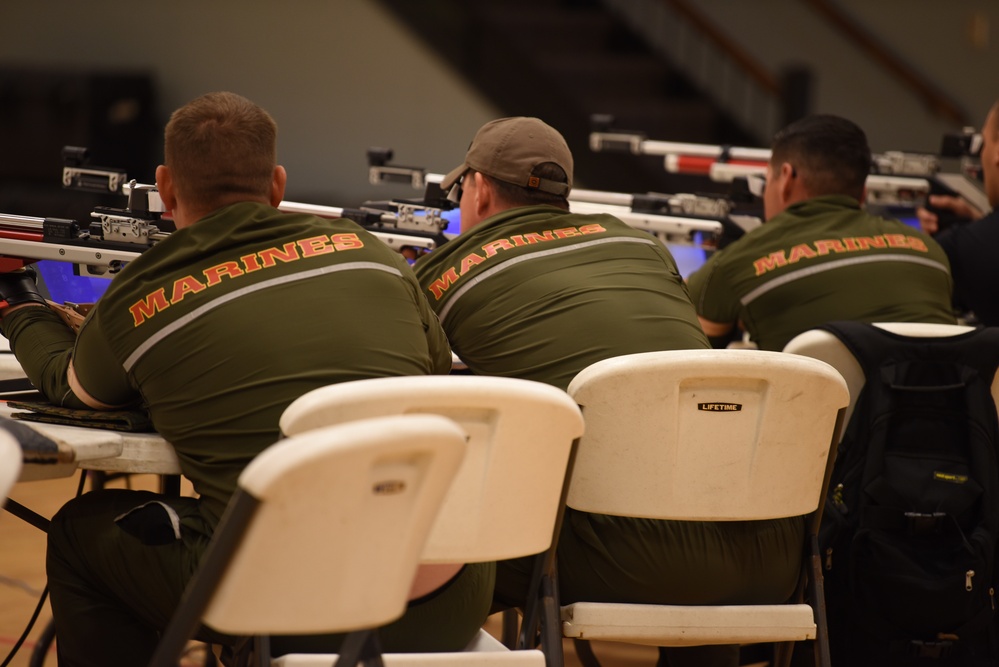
[(911, 524)]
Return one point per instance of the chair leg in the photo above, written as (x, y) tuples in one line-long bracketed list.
[(551, 624), (210, 659), (262, 650), (529, 624), (242, 652), (817, 593), (584, 651), (782, 653), (361, 647), (511, 623)]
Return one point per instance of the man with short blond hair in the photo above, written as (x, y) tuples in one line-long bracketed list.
[(215, 330), (220, 149)]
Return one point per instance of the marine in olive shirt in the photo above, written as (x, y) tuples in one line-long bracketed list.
[(215, 331), (820, 257), (533, 291)]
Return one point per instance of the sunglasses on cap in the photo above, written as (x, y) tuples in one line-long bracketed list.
[(454, 194)]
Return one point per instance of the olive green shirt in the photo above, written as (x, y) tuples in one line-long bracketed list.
[(821, 260), (220, 326), (540, 293)]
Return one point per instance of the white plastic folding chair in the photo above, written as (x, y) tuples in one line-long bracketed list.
[(506, 500), (324, 533), (707, 435), (11, 459)]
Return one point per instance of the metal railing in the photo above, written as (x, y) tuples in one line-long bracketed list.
[(718, 66)]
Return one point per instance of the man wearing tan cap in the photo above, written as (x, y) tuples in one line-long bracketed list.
[(530, 290)]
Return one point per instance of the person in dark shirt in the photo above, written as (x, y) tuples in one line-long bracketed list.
[(972, 247)]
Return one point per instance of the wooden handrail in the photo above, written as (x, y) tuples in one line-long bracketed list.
[(937, 102), (724, 43)]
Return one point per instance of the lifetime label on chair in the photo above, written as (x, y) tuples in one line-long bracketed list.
[(389, 487), (719, 407)]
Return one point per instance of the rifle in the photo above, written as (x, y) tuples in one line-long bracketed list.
[(673, 218), (898, 179), (115, 236)]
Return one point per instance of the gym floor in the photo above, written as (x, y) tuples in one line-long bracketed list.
[(22, 579)]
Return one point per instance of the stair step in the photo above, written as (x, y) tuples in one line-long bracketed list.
[(550, 29)]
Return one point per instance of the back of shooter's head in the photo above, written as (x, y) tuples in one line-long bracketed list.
[(830, 155), (221, 148)]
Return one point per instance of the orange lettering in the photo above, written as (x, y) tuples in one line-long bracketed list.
[(769, 263), (537, 238), (896, 241), (250, 263), (346, 241), (470, 261), (917, 244), (851, 244), (868, 242), (146, 308), (494, 247), (185, 285), (567, 232), (439, 286), (286, 254), (518, 239), (800, 251), (214, 273), (317, 245), (591, 229), (825, 246)]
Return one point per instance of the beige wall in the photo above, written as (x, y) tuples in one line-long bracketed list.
[(338, 75), (937, 38), (343, 75)]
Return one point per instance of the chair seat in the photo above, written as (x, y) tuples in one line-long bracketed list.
[(488, 651), (675, 625)]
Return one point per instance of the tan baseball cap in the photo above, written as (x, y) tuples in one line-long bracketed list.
[(508, 149)]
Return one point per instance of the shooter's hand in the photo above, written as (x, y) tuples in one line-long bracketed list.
[(929, 220)]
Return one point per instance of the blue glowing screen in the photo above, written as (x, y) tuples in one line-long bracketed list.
[(62, 283)]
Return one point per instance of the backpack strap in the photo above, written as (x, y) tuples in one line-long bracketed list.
[(871, 346), (866, 342)]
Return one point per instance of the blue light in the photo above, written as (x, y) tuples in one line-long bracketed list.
[(64, 285), (688, 258)]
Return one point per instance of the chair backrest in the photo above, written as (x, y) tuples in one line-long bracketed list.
[(11, 459), (506, 497), (705, 435), (342, 519), (823, 345)]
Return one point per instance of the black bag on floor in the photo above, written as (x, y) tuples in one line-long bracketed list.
[(911, 525)]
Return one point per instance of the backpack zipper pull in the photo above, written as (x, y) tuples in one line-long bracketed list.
[(837, 498), (967, 579)]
